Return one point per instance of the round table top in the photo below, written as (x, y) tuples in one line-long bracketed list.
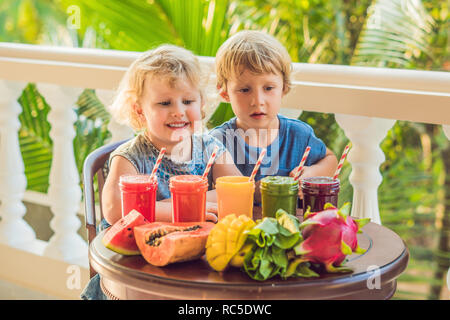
[(373, 276)]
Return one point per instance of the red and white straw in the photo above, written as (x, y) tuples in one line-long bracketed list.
[(158, 161), (258, 163), (302, 163), (210, 162), (341, 162)]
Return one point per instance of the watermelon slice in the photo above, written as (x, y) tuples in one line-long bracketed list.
[(120, 237)]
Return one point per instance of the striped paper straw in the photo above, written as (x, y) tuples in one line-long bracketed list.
[(258, 163), (302, 163), (210, 162), (157, 163), (341, 162)]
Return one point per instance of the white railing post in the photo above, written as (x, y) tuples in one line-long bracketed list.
[(64, 190), (446, 131), (14, 231), (118, 132), (365, 156)]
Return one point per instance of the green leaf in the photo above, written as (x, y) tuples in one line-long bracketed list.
[(300, 250), (332, 269), (328, 205), (345, 248), (198, 25), (361, 222), (309, 222), (394, 31), (279, 257), (251, 262), (265, 269), (304, 271), (299, 268), (287, 221), (34, 139), (287, 242), (223, 113), (345, 209), (307, 213), (268, 225)]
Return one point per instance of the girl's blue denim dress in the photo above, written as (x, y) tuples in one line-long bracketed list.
[(92, 291)]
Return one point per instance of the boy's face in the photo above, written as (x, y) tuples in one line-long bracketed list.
[(169, 112), (255, 99)]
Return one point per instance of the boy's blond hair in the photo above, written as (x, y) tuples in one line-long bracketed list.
[(169, 62), (255, 51)]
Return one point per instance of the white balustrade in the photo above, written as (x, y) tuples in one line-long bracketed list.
[(290, 113), (118, 131), (64, 189), (14, 231), (365, 156), (446, 131), (362, 99)]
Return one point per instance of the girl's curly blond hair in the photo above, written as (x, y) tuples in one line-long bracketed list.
[(255, 51), (169, 62)]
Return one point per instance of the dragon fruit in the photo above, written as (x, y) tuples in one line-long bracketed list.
[(329, 236)]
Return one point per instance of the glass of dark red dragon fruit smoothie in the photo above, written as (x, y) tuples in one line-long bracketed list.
[(317, 191)]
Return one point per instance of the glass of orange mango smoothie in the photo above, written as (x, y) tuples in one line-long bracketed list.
[(235, 195)]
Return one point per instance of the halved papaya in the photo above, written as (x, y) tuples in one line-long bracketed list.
[(163, 243)]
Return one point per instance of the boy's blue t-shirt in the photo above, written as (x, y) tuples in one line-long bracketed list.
[(283, 155)]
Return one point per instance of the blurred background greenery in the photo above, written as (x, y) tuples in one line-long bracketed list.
[(414, 197)]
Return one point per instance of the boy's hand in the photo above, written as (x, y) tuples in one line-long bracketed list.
[(305, 173), (324, 167), (211, 217), (211, 212)]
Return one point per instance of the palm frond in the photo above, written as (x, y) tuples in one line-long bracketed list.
[(395, 31), (222, 114), (198, 25), (34, 139), (90, 107)]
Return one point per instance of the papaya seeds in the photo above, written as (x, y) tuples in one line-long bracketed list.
[(163, 243)]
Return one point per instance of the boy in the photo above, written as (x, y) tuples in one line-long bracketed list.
[(253, 74)]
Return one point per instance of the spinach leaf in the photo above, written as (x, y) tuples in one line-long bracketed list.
[(274, 238)]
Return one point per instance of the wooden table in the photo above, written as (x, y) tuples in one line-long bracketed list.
[(374, 275)]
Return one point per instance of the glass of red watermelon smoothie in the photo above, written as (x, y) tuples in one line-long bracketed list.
[(138, 192), (188, 198)]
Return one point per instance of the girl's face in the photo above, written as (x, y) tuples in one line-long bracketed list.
[(169, 111)]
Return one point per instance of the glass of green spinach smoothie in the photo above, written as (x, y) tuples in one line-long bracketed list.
[(278, 192)]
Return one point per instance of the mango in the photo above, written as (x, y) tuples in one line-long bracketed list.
[(226, 239)]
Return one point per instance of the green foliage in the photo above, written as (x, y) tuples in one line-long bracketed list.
[(395, 31), (91, 126), (34, 138), (198, 25), (314, 31), (222, 114)]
